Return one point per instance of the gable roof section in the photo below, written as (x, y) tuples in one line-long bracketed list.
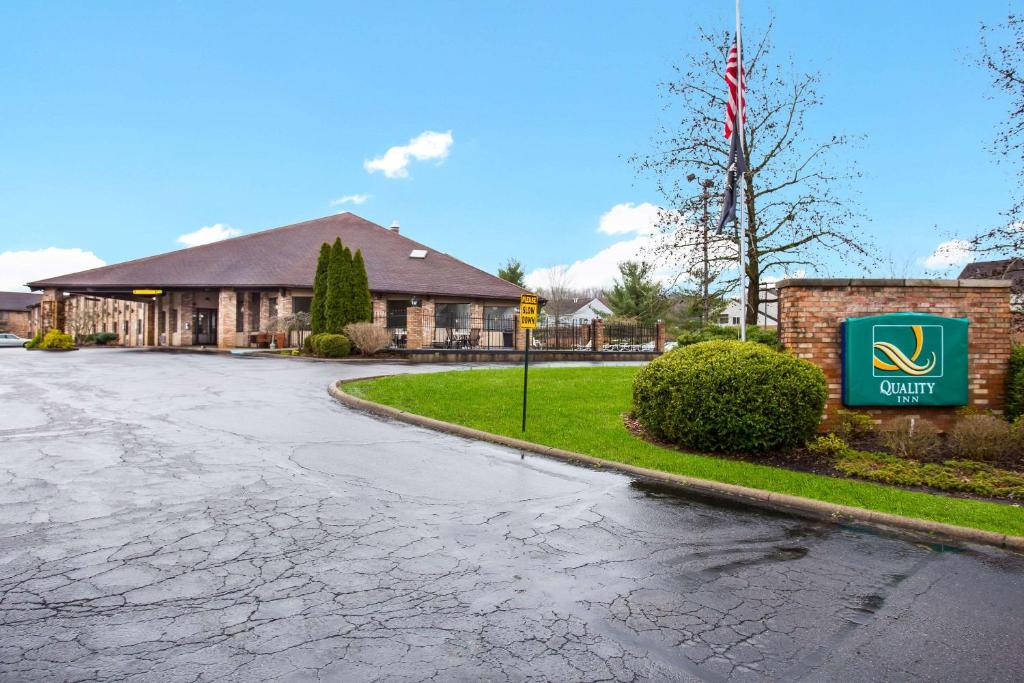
[(286, 257), (18, 301), (1004, 269)]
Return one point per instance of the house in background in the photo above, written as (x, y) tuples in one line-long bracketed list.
[(225, 293), (767, 314), (577, 308), (1011, 269), (16, 312)]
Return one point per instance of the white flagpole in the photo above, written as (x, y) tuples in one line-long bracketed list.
[(738, 130)]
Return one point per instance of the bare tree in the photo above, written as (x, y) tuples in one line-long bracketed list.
[(558, 291), (1002, 56), (794, 205)]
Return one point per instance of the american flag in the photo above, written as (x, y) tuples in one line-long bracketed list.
[(737, 162), (732, 77)]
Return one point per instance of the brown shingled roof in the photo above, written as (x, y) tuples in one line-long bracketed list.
[(1004, 269), (18, 301), (286, 257)]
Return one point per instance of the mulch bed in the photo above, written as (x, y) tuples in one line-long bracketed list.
[(802, 460)]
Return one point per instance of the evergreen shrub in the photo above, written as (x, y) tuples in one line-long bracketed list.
[(730, 396)]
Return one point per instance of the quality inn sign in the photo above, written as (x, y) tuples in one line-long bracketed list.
[(905, 359)]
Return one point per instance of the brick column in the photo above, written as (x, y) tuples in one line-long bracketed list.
[(520, 334), (226, 319), (188, 308), (380, 312), (414, 327), (659, 336), (151, 316), (598, 334), (52, 310)]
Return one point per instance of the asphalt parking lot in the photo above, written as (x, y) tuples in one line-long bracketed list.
[(173, 517)]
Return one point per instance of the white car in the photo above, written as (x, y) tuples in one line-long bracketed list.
[(8, 339)]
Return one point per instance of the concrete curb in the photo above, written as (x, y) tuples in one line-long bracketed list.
[(731, 492)]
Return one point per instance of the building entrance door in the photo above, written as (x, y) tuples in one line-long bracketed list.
[(204, 322)]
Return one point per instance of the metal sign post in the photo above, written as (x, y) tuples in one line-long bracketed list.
[(528, 304)]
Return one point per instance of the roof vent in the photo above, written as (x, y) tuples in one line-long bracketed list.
[(395, 227), (418, 253)]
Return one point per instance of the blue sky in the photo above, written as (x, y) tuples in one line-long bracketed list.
[(128, 125)]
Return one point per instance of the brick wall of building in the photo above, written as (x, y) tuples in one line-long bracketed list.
[(810, 313), (16, 322)]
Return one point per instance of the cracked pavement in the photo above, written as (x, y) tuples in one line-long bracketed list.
[(204, 518)]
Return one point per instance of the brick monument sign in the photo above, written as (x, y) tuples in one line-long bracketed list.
[(811, 317)]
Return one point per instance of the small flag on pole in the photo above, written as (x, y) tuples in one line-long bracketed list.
[(736, 115)]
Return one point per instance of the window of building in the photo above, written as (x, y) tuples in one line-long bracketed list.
[(723, 319), (255, 313), (162, 321), (397, 312), (239, 312), (302, 304), (735, 321), (451, 315), (493, 314), (174, 320), (125, 326), (138, 326), (271, 307)]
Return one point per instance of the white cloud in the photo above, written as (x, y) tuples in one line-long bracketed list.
[(948, 254), (395, 162), (599, 270), (19, 267), (208, 234), (350, 199), (630, 217)]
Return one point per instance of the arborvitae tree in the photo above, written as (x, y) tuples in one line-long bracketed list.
[(335, 314), (362, 303), (347, 306), (318, 307)]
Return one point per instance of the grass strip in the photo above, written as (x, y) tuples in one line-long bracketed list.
[(580, 409)]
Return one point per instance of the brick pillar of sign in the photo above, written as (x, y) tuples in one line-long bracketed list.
[(659, 336), (414, 327), (520, 340), (598, 333), (811, 310)]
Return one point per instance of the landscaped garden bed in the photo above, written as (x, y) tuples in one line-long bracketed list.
[(585, 409)]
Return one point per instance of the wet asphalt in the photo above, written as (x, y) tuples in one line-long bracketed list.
[(198, 518)]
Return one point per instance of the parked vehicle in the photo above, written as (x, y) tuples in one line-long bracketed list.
[(8, 339)]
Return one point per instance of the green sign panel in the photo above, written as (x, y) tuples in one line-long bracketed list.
[(905, 359)]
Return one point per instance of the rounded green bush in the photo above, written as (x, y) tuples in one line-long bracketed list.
[(332, 346), (730, 396), (57, 341)]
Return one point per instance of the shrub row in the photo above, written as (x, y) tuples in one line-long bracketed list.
[(761, 335), (101, 338), (952, 475)]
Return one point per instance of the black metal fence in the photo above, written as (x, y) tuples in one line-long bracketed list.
[(483, 332), (474, 333), (568, 335), (629, 337)]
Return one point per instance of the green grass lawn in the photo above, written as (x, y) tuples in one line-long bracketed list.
[(580, 409)]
